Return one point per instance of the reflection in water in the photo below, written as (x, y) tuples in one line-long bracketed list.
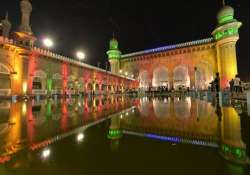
[(35, 125), (161, 107), (203, 125)]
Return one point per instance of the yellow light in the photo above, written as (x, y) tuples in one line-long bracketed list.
[(25, 87), (24, 109)]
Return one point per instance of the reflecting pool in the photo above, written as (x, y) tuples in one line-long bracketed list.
[(122, 135)]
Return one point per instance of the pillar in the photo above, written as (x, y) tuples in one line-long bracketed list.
[(226, 35), (114, 56)]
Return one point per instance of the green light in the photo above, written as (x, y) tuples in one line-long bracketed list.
[(238, 152), (49, 85), (225, 19), (114, 134), (48, 110), (113, 45), (114, 54), (226, 33)]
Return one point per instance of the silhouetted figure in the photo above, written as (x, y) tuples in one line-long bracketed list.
[(212, 88), (217, 82), (231, 83), (237, 83), (218, 111)]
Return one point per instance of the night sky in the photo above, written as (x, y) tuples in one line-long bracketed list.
[(138, 25)]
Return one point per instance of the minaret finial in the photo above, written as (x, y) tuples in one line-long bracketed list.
[(7, 15), (113, 35)]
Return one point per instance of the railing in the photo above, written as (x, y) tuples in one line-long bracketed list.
[(5, 92), (39, 92)]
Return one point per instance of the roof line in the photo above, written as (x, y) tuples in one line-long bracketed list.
[(170, 47)]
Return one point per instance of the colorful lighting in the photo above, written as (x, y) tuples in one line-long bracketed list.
[(114, 134), (173, 139), (170, 47), (233, 151), (25, 87), (225, 19), (226, 33)]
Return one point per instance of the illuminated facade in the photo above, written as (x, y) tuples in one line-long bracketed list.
[(191, 64), (27, 70)]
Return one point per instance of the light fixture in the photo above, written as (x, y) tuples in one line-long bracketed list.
[(46, 153), (80, 137), (80, 55), (48, 42)]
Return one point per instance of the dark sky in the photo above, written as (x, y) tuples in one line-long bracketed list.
[(138, 25)]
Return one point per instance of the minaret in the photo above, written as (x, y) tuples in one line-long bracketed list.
[(115, 132), (232, 146), (26, 9), (6, 25), (114, 56), (226, 35), (24, 35)]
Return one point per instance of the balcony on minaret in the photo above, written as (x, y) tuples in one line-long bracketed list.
[(24, 36)]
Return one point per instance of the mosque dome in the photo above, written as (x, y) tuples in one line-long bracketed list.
[(225, 14)]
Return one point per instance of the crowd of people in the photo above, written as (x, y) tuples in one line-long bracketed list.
[(235, 84)]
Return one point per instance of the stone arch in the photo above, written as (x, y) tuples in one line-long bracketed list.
[(4, 69), (39, 80), (97, 87), (80, 85), (71, 82), (144, 79), (57, 80), (181, 77), (203, 75), (89, 87), (160, 77), (5, 79)]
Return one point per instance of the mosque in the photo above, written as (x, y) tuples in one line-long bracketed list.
[(26, 69)]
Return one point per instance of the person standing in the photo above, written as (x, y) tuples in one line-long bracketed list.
[(231, 84), (217, 82), (237, 83)]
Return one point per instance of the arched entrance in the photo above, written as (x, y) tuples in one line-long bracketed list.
[(144, 80), (181, 77), (72, 85), (160, 77), (39, 83), (5, 85), (203, 76), (57, 85)]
